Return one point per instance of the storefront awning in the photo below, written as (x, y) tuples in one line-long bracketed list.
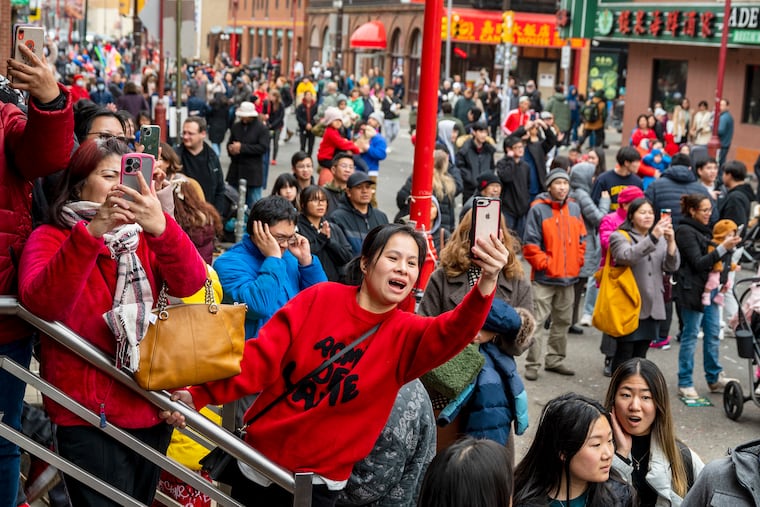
[(477, 26), (370, 35)]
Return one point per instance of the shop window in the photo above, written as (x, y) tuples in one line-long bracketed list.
[(751, 108), (669, 82)]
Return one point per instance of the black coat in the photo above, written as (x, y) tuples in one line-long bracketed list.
[(249, 164), (305, 114), (472, 164), (737, 204), (445, 203), (276, 115), (692, 239), (218, 119), (334, 252), (515, 186)]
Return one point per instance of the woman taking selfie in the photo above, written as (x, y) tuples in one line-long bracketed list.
[(569, 462), (97, 267), (324, 426), (650, 250), (647, 454)]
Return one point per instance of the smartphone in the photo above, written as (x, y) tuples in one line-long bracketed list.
[(486, 218), (32, 37), (134, 163), (665, 212), (150, 138), (740, 230)]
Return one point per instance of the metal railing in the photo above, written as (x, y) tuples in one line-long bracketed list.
[(200, 428)]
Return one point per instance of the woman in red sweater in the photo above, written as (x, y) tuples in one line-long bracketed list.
[(332, 142), (76, 270), (329, 423)]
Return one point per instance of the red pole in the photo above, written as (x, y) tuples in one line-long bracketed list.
[(160, 111), (430, 72), (714, 144), (293, 45)]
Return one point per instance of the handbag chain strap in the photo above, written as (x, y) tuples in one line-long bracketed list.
[(163, 300), (314, 373)]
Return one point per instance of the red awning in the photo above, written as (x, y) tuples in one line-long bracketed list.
[(370, 35)]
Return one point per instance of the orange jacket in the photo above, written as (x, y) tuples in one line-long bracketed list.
[(555, 241)]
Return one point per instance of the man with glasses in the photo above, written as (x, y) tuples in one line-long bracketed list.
[(303, 169), (342, 168), (200, 162)]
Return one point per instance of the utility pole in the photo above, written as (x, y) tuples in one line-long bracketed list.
[(714, 144), (448, 40), (339, 35)]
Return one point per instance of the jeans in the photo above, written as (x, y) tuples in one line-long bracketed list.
[(252, 195), (516, 224), (391, 129), (217, 149), (591, 292), (709, 321), (11, 402)]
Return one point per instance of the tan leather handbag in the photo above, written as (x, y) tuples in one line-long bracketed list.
[(190, 344)]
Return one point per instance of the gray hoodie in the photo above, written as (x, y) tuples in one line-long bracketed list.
[(581, 182)]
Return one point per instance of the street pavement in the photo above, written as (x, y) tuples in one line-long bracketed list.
[(707, 430)]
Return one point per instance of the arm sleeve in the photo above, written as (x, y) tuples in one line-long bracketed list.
[(378, 148), (339, 247), (259, 146), (591, 211), (311, 274), (432, 303), (402, 196), (241, 284), (533, 240), (177, 260), (626, 253), (691, 254), (596, 192), (521, 413)]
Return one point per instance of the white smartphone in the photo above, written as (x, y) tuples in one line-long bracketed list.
[(32, 37)]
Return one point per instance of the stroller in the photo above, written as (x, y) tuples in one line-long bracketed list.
[(748, 346)]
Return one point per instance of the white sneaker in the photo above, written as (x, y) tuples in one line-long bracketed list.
[(586, 320), (720, 384), (688, 392), (757, 391)]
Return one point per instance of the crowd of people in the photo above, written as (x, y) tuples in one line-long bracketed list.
[(322, 269)]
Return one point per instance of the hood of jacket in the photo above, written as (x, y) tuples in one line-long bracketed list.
[(745, 189), (559, 97), (680, 174), (437, 223), (581, 176)]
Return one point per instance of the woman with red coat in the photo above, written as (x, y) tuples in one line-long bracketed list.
[(97, 266), (332, 142)]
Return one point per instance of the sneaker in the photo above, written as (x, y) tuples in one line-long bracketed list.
[(273, 162), (531, 373), (757, 391), (688, 392), (575, 329), (586, 320), (607, 367), (720, 384), (561, 369), (660, 343)]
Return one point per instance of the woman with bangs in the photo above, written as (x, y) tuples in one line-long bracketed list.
[(448, 285), (648, 455), (569, 463), (328, 243)]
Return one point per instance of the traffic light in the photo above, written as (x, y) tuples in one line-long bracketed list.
[(455, 25), (507, 23)]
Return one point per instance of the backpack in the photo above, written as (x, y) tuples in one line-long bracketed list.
[(590, 112)]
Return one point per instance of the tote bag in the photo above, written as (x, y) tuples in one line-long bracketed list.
[(618, 303)]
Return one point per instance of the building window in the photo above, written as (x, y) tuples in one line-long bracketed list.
[(751, 109), (669, 82)]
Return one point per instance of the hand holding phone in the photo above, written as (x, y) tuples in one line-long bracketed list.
[(133, 164), (740, 230), (150, 138), (27, 68)]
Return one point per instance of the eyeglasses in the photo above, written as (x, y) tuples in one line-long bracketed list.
[(286, 240), (108, 135), (705, 210), (346, 166)]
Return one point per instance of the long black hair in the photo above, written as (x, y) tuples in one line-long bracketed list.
[(374, 245)]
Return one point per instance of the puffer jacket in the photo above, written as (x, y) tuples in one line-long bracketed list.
[(78, 293), (607, 226), (558, 106), (21, 161), (666, 192), (658, 476), (581, 181), (555, 241), (499, 397), (355, 225), (693, 238)]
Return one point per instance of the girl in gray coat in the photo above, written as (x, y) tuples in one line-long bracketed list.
[(581, 181), (650, 249)]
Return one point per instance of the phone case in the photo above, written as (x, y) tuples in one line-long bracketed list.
[(150, 138), (32, 37), (486, 218), (134, 163)]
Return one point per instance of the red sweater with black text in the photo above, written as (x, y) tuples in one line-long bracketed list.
[(335, 420)]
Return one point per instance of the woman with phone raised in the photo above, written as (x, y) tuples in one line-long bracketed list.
[(97, 266)]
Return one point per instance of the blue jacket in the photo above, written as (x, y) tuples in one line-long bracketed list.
[(375, 153), (499, 397), (725, 129), (265, 284)]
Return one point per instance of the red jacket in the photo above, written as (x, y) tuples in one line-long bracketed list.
[(69, 276), (333, 141), (334, 422), (20, 138), (515, 119)]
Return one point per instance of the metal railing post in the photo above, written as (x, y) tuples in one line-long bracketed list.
[(241, 209)]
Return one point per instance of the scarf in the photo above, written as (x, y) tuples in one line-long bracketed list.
[(130, 314)]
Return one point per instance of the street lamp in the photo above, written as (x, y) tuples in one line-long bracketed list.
[(338, 4)]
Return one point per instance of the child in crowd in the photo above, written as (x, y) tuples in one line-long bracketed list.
[(721, 230)]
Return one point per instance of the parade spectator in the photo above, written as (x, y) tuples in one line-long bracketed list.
[(650, 250), (677, 180), (679, 124), (49, 117), (737, 204), (554, 245), (734, 478), (539, 141), (659, 466), (693, 238), (218, 121), (247, 146), (373, 146), (91, 122), (469, 473), (403, 347), (534, 95), (100, 95), (132, 100), (514, 175), (304, 86), (593, 115), (446, 115), (595, 156), (328, 243), (355, 215), (115, 84), (701, 127), (391, 105), (622, 176), (335, 189), (200, 162), (642, 131), (707, 174), (517, 117), (557, 105), (474, 159), (306, 112), (463, 105), (575, 113), (286, 186), (273, 116), (199, 219), (570, 459), (493, 112), (111, 230), (333, 142), (356, 103), (488, 185), (448, 132), (725, 132), (581, 180), (79, 89), (658, 122), (303, 169)]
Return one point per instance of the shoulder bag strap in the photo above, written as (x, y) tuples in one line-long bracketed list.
[(314, 373)]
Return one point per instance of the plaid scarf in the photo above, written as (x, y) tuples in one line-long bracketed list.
[(129, 317)]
